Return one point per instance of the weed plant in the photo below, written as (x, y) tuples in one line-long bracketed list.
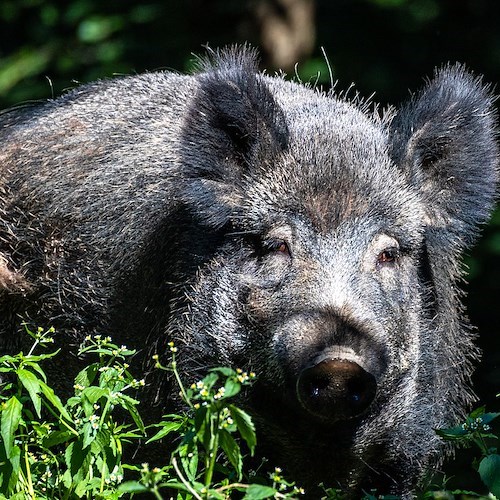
[(50, 449)]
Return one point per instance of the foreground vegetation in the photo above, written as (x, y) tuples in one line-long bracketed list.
[(50, 449)]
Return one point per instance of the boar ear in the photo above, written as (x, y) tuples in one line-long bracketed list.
[(444, 140), (233, 128)]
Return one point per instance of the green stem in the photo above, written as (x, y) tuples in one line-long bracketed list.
[(481, 444), (179, 382), (102, 475), (28, 473), (184, 481), (60, 418), (213, 448), (156, 493), (33, 347)]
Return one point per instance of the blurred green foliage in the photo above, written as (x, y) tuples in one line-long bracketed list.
[(382, 45), (49, 45), (386, 46)]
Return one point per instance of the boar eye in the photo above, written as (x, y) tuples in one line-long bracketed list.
[(277, 247), (388, 256)]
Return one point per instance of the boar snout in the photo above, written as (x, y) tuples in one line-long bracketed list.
[(335, 389)]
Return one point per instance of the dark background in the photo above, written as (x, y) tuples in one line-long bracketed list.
[(385, 46)]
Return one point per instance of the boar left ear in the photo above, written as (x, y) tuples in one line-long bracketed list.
[(232, 130), (444, 140)]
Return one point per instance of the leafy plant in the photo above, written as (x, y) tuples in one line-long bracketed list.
[(209, 444), (73, 450), (50, 449), (476, 431)]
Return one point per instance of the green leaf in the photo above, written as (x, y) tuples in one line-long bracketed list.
[(54, 400), (73, 401), (36, 358), (452, 433), (127, 352), (57, 437), (88, 434), (88, 398), (31, 384), (77, 460), (245, 426), (458, 493), (177, 485), (489, 470), (87, 376), (81, 484), (258, 492), (132, 487), (130, 405), (128, 399), (232, 451), (214, 494), (94, 485), (188, 454), (9, 469), (93, 394), (167, 428), (18, 496), (223, 370), (200, 421), (210, 380), (489, 417), (37, 368), (231, 388), (478, 412), (101, 441), (7, 359), (11, 416), (97, 350)]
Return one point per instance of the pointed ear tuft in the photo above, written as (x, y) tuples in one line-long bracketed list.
[(444, 140)]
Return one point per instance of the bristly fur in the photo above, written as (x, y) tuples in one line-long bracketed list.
[(265, 225)]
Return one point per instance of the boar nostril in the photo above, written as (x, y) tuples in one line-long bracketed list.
[(336, 389)]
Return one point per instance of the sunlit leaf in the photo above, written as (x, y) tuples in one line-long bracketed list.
[(245, 426), (11, 417), (259, 492), (232, 451), (32, 385)]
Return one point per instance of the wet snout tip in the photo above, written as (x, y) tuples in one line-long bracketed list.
[(336, 389)]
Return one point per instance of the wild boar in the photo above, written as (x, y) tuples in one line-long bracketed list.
[(266, 225)]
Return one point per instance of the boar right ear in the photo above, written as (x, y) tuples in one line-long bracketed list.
[(232, 130), (444, 139)]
